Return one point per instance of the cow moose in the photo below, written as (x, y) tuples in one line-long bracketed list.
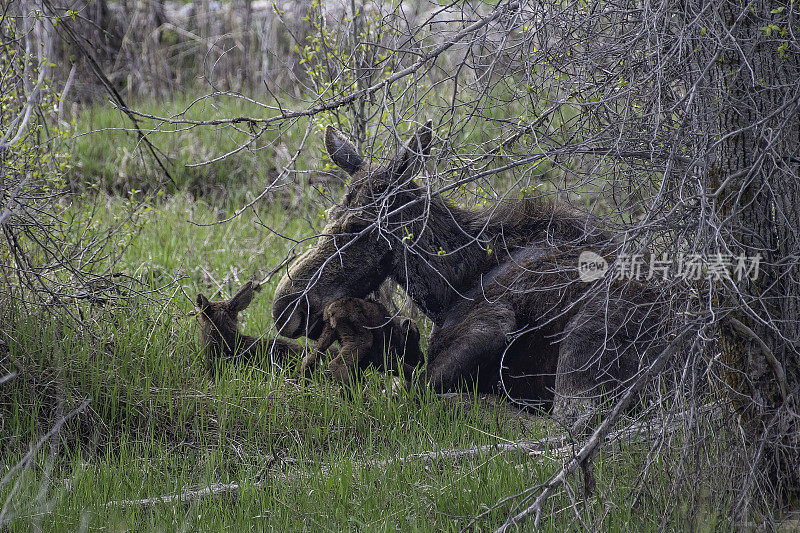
[(222, 341), (500, 284)]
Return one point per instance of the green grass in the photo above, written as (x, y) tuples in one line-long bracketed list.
[(156, 425), (108, 155)]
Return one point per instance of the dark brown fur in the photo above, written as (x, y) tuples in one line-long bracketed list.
[(368, 335), (222, 341), (500, 284)]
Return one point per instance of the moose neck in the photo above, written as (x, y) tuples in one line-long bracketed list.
[(442, 255), (447, 249)]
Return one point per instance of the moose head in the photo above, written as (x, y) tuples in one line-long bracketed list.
[(353, 254)]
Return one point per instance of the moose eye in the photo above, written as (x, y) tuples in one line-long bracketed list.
[(348, 225), (353, 222)]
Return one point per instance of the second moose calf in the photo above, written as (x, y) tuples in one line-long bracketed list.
[(220, 337), (368, 335)]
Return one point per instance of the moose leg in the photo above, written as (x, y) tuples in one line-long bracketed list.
[(326, 339), (468, 347), (408, 374), (281, 350), (597, 358), (576, 397), (602, 351), (356, 342), (395, 371)]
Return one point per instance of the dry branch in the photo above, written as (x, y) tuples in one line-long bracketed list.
[(213, 490), (231, 490), (67, 30), (496, 13), (552, 447)]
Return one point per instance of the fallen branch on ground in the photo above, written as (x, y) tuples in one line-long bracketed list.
[(231, 490), (554, 447), (216, 490)]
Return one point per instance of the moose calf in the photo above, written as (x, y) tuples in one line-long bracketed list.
[(368, 335), (221, 339)]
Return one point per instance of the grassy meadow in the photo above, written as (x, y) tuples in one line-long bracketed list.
[(305, 455)]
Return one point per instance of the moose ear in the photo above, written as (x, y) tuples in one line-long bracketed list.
[(409, 159), (201, 303), (342, 151), (241, 299)]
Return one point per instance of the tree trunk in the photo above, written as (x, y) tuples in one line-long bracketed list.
[(756, 164)]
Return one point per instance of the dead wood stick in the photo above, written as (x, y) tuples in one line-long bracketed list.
[(222, 490), (212, 490), (217, 490), (539, 447), (550, 446)]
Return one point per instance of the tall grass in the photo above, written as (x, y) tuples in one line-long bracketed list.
[(306, 454), (108, 155), (303, 452)]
